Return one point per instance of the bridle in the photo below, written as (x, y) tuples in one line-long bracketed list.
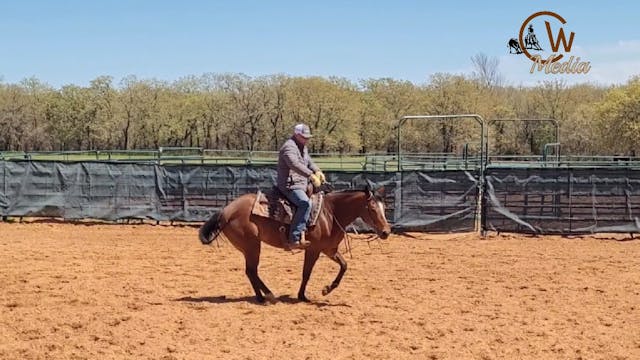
[(346, 234), (372, 213)]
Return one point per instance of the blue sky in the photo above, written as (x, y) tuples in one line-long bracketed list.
[(72, 42)]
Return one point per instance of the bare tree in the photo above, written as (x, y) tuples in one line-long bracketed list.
[(486, 70)]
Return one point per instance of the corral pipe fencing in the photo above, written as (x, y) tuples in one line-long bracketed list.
[(554, 122), (440, 201), (561, 200), (404, 119), (439, 192), (478, 168)]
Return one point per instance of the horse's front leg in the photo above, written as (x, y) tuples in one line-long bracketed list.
[(310, 257), (337, 257)]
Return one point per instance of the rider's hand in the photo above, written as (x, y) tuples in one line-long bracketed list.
[(315, 180), (320, 175)]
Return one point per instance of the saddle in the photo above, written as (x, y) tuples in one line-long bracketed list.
[(272, 204)]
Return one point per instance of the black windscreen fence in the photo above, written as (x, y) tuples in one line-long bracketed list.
[(439, 201), (524, 200), (561, 201)]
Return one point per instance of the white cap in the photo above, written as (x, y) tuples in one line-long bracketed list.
[(303, 130)]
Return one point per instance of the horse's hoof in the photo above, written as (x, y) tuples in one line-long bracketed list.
[(327, 289), (303, 298), (270, 298)]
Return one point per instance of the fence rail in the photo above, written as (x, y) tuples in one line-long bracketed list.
[(372, 162)]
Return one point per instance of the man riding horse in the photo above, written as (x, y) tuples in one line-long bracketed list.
[(295, 171), (247, 230)]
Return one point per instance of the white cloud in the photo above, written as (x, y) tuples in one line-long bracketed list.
[(621, 47)]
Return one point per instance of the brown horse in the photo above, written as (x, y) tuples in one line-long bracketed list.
[(246, 232)]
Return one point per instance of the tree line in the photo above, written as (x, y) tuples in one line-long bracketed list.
[(239, 112)]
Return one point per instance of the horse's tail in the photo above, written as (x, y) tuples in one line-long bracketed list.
[(210, 227)]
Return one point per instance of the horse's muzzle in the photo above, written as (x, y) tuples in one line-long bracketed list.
[(384, 235)]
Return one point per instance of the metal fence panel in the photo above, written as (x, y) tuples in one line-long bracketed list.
[(561, 201)]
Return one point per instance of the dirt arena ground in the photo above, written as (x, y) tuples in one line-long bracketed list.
[(72, 291)]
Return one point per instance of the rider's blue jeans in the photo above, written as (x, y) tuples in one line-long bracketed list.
[(302, 202)]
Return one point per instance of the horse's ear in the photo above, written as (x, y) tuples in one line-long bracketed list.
[(327, 187), (380, 191), (367, 190)]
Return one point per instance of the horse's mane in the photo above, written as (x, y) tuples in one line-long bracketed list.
[(349, 191)]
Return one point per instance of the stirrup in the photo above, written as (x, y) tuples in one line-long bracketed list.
[(299, 245), (289, 246), (303, 240), (293, 246)]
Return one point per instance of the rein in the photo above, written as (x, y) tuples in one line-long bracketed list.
[(347, 242), (348, 238)]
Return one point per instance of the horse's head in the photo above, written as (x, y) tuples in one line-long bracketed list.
[(373, 214)]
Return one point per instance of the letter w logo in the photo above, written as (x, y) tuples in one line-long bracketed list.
[(561, 37)]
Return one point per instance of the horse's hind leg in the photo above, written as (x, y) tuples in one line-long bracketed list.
[(252, 259), (337, 257)]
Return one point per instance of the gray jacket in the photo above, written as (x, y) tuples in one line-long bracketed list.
[(294, 166)]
